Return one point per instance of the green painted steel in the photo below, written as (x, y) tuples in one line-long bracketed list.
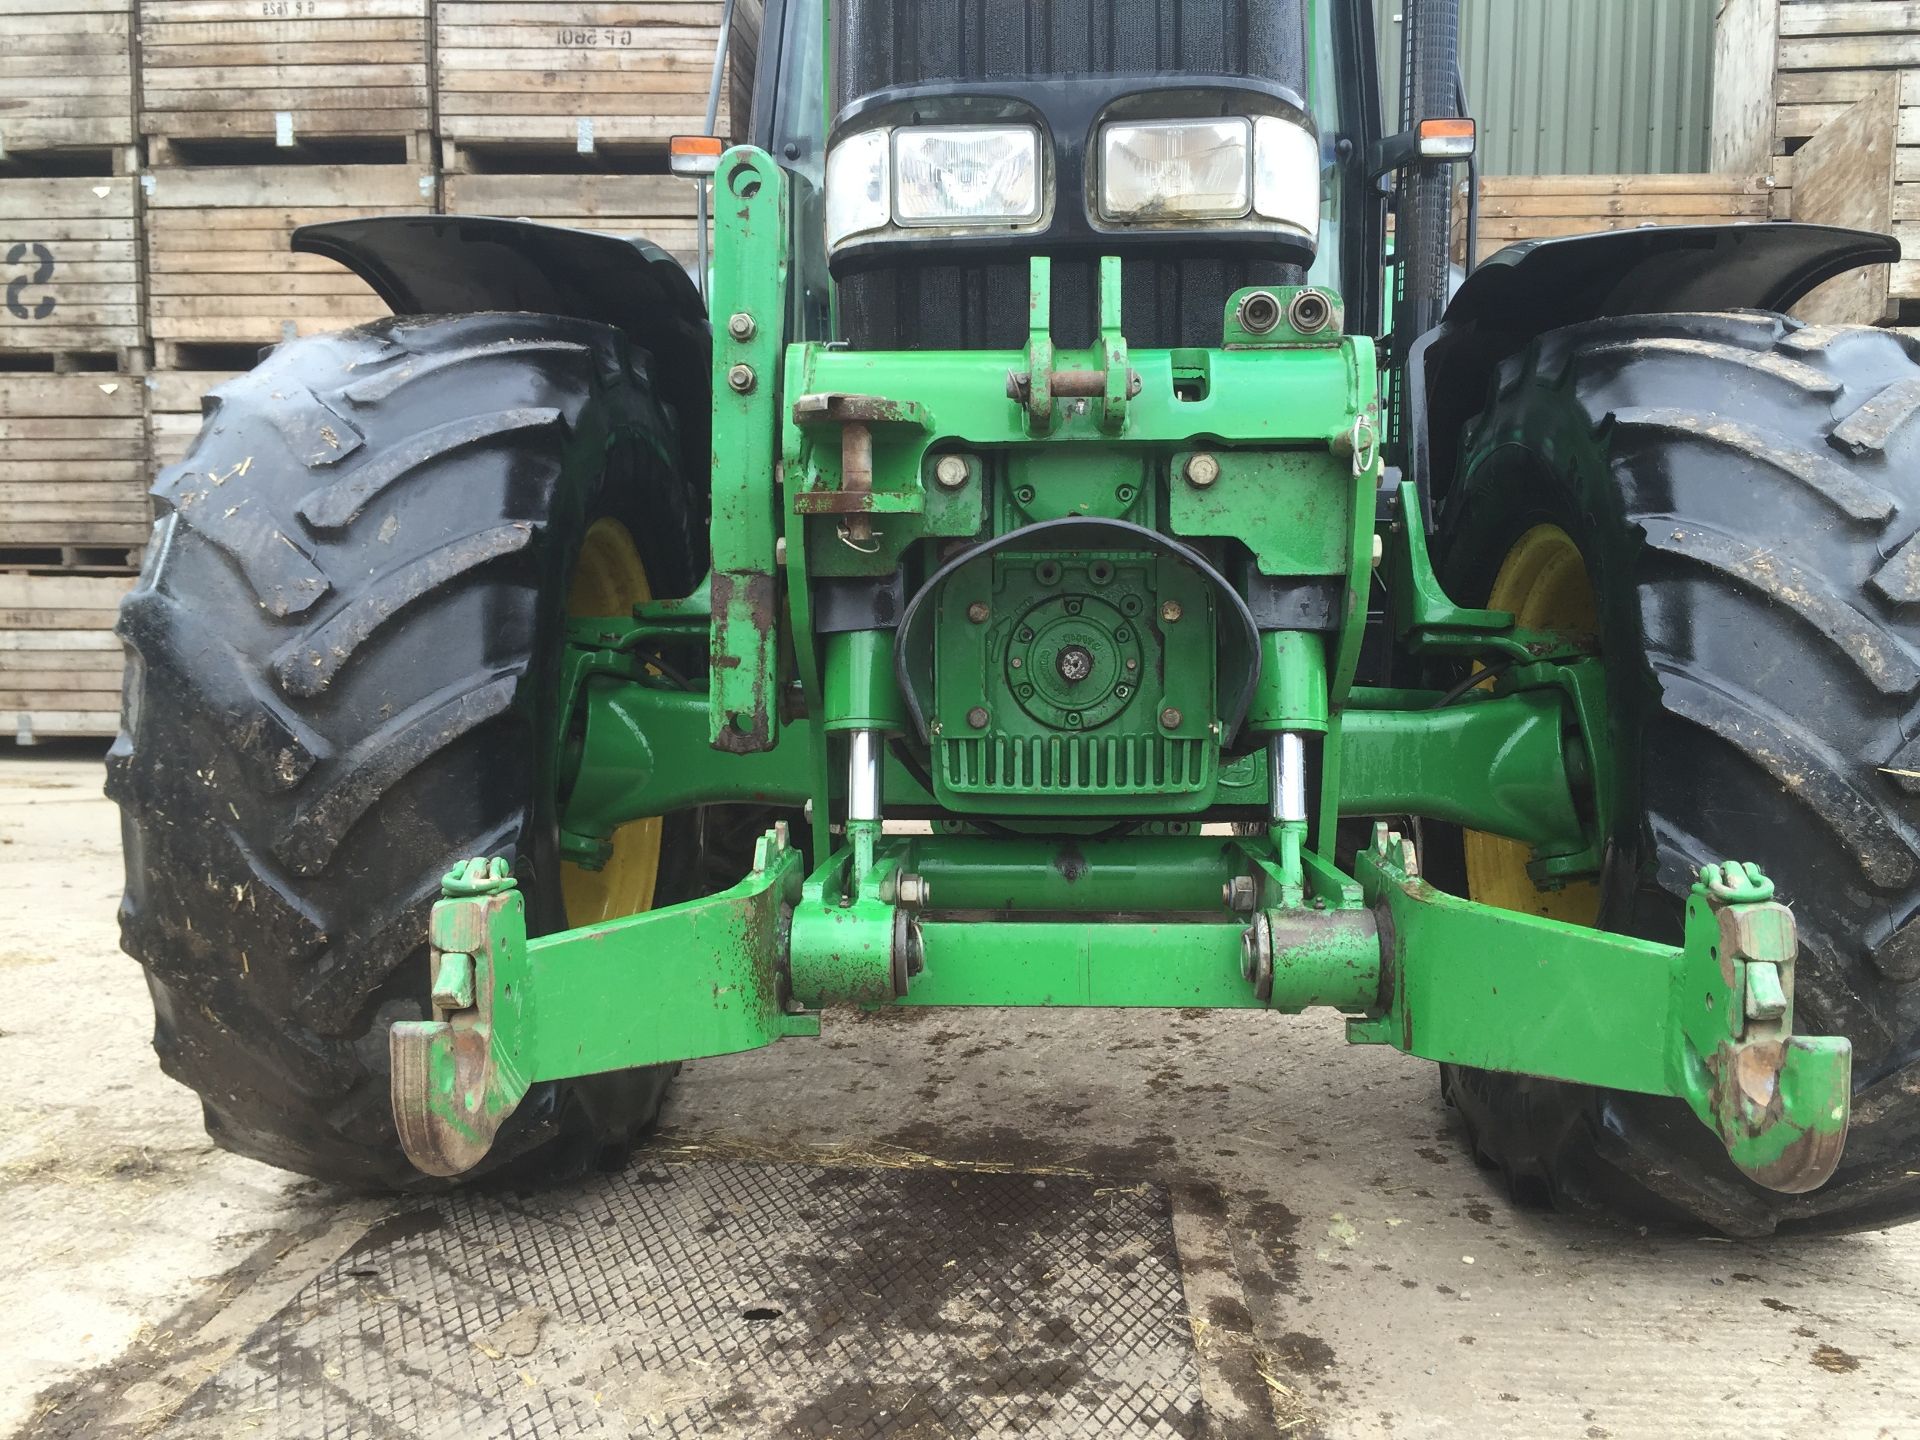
[(1158, 964), (1062, 875), (1498, 765), (1709, 1021), (750, 229), (1578, 86)]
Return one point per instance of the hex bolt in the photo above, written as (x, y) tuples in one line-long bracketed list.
[(952, 472), (1241, 894), (740, 377), (1171, 718), (978, 717), (741, 327), (978, 612), (1171, 612), (1202, 470), (913, 891)]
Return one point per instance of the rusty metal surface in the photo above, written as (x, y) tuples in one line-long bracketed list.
[(731, 1299)]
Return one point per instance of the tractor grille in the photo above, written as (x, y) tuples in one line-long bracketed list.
[(923, 304), (1063, 765)]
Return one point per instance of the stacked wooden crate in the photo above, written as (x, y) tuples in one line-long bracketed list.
[(66, 75), (60, 661), (520, 80), (222, 279), (74, 513), (73, 470), (660, 208), (285, 71), (70, 271), (1825, 95), (1537, 207)]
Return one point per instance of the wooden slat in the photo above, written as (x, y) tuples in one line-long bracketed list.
[(660, 208), (1516, 208)]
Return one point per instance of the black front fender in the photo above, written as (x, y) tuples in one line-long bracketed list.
[(1529, 289), (457, 264)]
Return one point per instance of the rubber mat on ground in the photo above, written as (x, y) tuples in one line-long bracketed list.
[(722, 1298)]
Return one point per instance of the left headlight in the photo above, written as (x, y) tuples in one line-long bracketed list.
[(1266, 169), (932, 175)]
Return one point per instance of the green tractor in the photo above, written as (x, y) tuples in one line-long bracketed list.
[(1059, 553)]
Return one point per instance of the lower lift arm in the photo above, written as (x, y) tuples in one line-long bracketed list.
[(1709, 1022)]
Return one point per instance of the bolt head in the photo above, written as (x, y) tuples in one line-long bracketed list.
[(978, 717), (1171, 611), (741, 326), (1171, 718), (952, 472), (741, 378), (1241, 895), (1075, 663), (1202, 471), (978, 612)]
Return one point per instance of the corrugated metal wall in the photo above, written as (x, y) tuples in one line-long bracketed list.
[(1580, 87)]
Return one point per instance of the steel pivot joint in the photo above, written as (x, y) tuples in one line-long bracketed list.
[(509, 1012), (1778, 1101)]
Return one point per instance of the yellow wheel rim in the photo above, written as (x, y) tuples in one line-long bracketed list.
[(609, 579), (1543, 582)]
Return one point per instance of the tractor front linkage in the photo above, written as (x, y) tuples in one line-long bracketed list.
[(1068, 654), (1710, 1021)]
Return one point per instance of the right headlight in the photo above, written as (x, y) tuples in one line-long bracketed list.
[(1228, 168)]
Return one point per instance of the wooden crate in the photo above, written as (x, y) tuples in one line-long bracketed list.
[(1537, 207), (583, 76), (284, 71), (60, 662), (71, 271), (73, 470), (660, 208), (1786, 70), (219, 268), (174, 410), (66, 72)]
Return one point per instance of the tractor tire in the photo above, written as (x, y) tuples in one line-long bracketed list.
[(343, 660), (1744, 492)]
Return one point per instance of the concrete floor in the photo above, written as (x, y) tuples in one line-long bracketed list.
[(1393, 1290)]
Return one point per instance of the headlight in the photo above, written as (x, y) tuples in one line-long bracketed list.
[(948, 175), (859, 186), (1225, 169), (932, 175), (1184, 169)]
